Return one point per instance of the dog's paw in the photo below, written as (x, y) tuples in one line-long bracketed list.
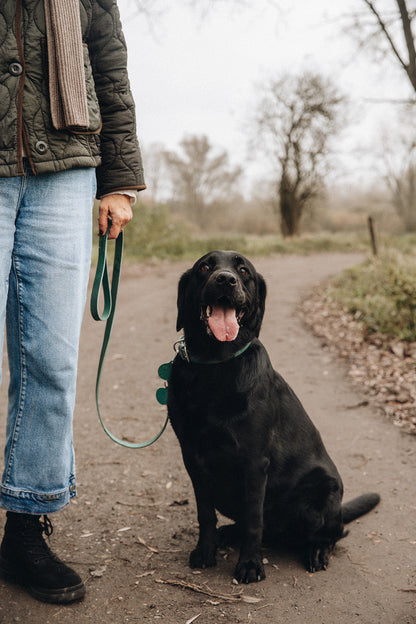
[(317, 558), (250, 571), (200, 558)]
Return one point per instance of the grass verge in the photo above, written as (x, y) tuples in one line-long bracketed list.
[(154, 235)]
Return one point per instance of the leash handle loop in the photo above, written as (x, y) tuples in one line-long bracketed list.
[(101, 281)]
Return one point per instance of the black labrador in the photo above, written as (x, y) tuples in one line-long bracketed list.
[(248, 445)]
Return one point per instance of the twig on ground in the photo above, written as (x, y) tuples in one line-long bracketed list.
[(240, 597), (193, 619), (143, 543)]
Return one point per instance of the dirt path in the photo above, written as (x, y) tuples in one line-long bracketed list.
[(134, 523)]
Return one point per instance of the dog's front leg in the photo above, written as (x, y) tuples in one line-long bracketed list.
[(250, 567), (203, 556)]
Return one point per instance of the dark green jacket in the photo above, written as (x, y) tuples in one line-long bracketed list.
[(25, 122)]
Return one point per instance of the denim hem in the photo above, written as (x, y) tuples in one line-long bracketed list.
[(24, 501)]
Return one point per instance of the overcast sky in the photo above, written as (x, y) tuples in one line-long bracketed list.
[(193, 74)]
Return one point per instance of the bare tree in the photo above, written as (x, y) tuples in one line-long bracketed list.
[(389, 24), (296, 117), (399, 160), (200, 176), (158, 186), (403, 189)]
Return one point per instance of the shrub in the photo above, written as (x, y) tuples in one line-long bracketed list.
[(381, 293), (152, 233)]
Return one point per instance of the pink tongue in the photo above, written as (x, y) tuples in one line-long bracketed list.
[(223, 323)]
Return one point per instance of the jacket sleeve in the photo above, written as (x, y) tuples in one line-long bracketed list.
[(121, 166)]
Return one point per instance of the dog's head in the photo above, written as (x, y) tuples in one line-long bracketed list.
[(221, 299)]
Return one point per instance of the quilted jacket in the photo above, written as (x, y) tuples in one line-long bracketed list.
[(111, 142)]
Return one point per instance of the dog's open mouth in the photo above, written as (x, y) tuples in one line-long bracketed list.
[(222, 319)]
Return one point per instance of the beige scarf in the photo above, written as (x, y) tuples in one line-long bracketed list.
[(67, 88)]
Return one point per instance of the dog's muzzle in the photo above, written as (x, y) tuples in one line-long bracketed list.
[(223, 306)]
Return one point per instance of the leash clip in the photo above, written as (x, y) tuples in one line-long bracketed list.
[(180, 348)]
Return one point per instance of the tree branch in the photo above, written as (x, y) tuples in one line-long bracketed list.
[(410, 44), (384, 29)]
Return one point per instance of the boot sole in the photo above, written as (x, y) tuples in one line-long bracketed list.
[(63, 595)]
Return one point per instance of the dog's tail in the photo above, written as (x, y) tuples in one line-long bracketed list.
[(359, 506)]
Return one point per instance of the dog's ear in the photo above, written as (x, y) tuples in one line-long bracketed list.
[(262, 291), (181, 301), (261, 298)]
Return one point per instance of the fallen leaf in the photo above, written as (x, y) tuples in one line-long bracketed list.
[(98, 572), (385, 371)]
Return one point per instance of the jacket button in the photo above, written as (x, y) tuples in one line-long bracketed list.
[(15, 69), (41, 147)]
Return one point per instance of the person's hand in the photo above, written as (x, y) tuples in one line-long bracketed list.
[(118, 209)]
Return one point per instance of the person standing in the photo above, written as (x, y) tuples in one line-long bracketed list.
[(67, 135)]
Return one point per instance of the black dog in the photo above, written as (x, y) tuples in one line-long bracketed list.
[(248, 445)]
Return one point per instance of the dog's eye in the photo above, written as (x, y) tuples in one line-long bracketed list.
[(244, 271), (204, 268)]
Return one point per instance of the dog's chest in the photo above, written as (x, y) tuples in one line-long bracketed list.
[(220, 444), (220, 455), (209, 395)]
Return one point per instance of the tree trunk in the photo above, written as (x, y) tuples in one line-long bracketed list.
[(289, 213)]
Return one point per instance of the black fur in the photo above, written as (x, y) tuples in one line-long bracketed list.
[(248, 445)]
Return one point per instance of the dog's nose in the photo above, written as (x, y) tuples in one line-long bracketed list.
[(226, 278)]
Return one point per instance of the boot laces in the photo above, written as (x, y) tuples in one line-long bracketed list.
[(46, 525), (33, 536)]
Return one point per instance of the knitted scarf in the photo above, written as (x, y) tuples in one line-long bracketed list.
[(67, 88)]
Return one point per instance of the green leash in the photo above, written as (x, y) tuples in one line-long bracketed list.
[(101, 281)]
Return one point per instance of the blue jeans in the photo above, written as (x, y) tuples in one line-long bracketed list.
[(45, 252)]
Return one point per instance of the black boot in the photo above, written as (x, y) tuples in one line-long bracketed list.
[(26, 559)]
